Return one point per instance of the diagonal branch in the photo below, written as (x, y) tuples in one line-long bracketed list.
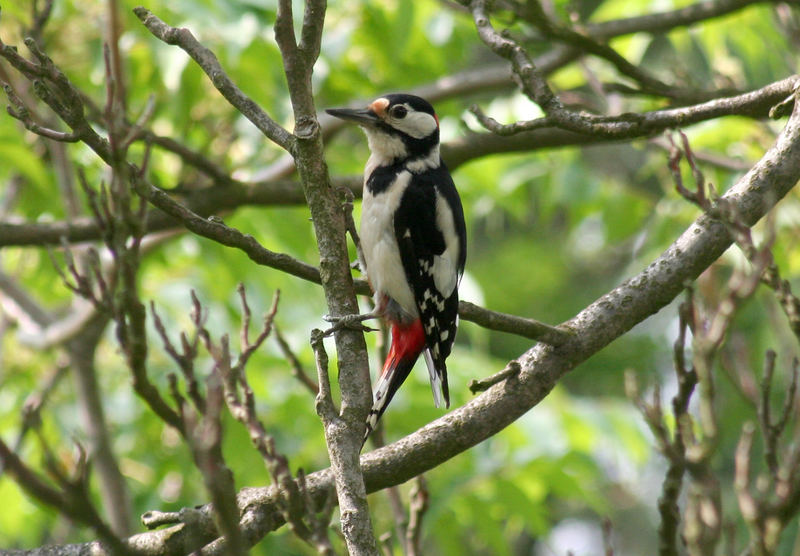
[(214, 228), (210, 64), (534, 13)]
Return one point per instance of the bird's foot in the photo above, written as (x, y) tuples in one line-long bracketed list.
[(350, 322)]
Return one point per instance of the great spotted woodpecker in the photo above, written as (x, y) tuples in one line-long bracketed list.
[(413, 240)]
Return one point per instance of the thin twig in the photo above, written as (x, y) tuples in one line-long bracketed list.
[(748, 506), (72, 498), (419, 501), (302, 516), (204, 436), (41, 15), (184, 359), (511, 370), (32, 407), (324, 401), (249, 348)]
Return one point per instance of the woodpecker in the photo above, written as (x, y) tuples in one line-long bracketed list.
[(413, 240)]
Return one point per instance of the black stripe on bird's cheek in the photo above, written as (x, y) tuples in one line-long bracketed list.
[(415, 148)]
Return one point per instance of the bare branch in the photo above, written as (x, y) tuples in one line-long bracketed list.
[(419, 502), (755, 103), (660, 22), (211, 66), (747, 504), (530, 78), (31, 409), (536, 88), (533, 12), (521, 326), (324, 402), (72, 499), (204, 436), (296, 508), (229, 195), (113, 490), (55, 89), (343, 431), (673, 446), (18, 111), (184, 359), (41, 14), (512, 370), (249, 348), (772, 431)]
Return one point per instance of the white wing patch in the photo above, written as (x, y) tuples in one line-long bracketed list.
[(445, 271)]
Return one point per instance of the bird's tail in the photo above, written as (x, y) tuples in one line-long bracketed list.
[(408, 341)]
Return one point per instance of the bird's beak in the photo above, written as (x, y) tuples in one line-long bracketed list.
[(363, 116)]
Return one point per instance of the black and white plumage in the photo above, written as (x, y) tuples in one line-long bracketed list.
[(413, 240)]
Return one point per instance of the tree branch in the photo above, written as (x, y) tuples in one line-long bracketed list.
[(533, 12), (628, 126), (72, 498), (343, 432), (661, 22), (211, 66)]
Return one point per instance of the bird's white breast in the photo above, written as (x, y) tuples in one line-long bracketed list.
[(379, 245)]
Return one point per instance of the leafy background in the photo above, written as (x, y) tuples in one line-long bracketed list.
[(550, 231)]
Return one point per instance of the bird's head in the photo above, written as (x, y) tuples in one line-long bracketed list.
[(399, 127)]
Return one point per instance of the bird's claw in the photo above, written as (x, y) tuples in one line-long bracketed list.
[(350, 322)]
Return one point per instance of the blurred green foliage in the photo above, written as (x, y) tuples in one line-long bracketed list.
[(550, 231)]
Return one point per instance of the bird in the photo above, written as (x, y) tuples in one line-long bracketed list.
[(413, 240)]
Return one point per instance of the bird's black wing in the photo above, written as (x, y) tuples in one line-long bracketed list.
[(421, 243)]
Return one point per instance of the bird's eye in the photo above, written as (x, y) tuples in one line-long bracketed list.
[(399, 112)]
